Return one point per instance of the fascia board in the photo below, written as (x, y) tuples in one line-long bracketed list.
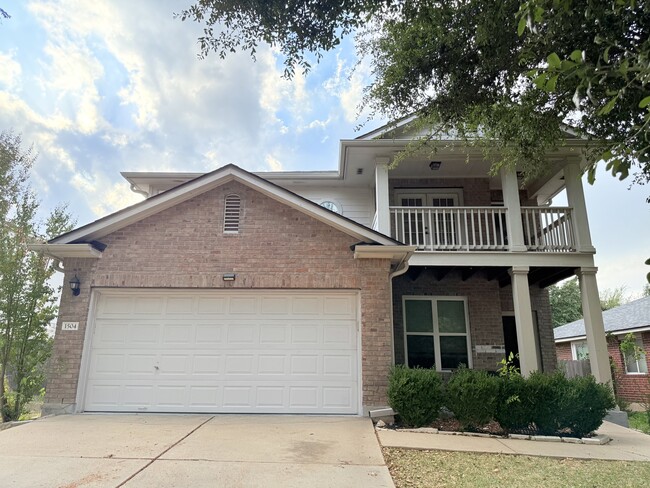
[(392, 252), (62, 251), (583, 337)]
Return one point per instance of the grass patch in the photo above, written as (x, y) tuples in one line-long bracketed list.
[(639, 421), (413, 468)]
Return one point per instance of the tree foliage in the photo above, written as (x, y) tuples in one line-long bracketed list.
[(505, 74), (565, 302), (27, 298), (566, 305)]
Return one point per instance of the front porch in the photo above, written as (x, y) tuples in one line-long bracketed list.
[(449, 314)]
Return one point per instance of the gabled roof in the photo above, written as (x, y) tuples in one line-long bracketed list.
[(626, 318), (122, 218)]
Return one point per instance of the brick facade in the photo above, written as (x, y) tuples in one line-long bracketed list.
[(633, 388), (487, 303), (184, 247)]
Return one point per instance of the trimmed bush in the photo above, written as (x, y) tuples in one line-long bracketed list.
[(584, 405), (546, 392), (472, 396), (514, 410), (559, 405), (415, 394)]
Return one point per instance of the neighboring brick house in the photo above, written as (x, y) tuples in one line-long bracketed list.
[(632, 380), (295, 292)]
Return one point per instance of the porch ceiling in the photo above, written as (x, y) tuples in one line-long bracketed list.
[(542, 276)]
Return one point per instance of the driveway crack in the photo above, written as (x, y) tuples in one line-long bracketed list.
[(163, 453)]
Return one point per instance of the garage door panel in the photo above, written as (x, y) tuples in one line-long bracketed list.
[(180, 306), (149, 306), (243, 334), (215, 351), (139, 333), (244, 306)]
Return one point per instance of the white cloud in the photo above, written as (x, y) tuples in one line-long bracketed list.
[(11, 70), (347, 83), (273, 163), (102, 195)]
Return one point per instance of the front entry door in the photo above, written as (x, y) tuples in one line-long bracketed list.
[(510, 338)]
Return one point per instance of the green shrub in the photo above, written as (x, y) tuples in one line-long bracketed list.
[(584, 405), (472, 396), (561, 405), (546, 392), (415, 394), (514, 410)]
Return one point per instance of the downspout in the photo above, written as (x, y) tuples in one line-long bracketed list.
[(400, 269)]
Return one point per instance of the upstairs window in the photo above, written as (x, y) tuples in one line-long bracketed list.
[(231, 214)]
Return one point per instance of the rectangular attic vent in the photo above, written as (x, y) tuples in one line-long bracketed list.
[(231, 214)]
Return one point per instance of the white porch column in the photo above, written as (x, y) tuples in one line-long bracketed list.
[(528, 352), (594, 326), (382, 202), (576, 200), (510, 189)]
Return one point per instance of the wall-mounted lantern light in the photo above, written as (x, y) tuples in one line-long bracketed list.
[(74, 285), (229, 277)]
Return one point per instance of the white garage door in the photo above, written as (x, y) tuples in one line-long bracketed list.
[(252, 351)]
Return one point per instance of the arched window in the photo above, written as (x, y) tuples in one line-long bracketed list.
[(231, 214)]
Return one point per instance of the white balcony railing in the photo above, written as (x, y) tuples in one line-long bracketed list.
[(481, 228), (548, 228), (450, 228)]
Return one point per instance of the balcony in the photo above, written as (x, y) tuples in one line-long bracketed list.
[(546, 229)]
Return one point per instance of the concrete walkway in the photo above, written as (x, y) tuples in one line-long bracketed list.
[(84, 451), (627, 444)]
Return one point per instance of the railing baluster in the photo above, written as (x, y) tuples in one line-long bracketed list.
[(465, 226)]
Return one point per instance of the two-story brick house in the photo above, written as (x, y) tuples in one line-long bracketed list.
[(295, 292)]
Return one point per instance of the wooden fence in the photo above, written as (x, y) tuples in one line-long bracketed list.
[(575, 368)]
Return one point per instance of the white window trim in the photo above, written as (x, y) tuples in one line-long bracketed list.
[(436, 333), (574, 349), (643, 359)]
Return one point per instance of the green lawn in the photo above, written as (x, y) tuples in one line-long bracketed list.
[(413, 468), (639, 421)]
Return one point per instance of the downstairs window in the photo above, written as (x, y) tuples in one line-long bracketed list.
[(437, 332)]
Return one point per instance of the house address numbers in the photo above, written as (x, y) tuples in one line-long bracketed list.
[(70, 326)]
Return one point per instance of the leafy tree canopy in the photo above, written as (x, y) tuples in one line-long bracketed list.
[(511, 71)]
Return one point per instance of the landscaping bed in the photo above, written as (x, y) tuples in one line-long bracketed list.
[(475, 402)]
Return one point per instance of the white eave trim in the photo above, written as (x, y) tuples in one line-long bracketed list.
[(395, 253), (191, 189), (583, 337), (62, 251)]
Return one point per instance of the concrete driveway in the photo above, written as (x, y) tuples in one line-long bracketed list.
[(83, 451)]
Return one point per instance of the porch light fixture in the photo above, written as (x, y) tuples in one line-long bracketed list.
[(229, 277), (435, 165), (74, 285)]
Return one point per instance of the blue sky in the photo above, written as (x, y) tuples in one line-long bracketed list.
[(107, 86)]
